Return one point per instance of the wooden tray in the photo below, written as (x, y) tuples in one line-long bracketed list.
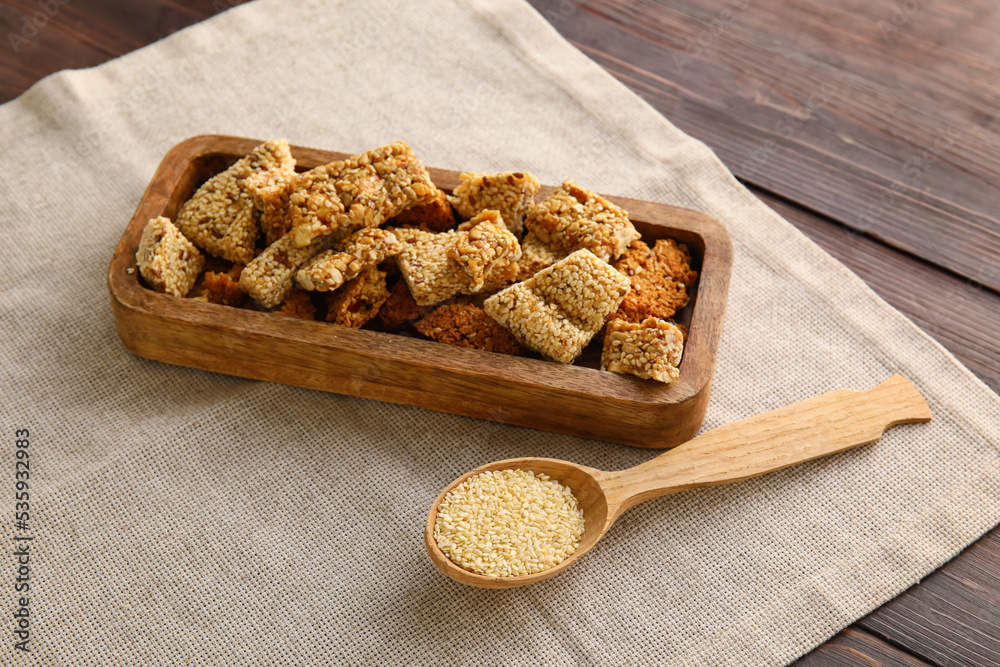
[(387, 367)]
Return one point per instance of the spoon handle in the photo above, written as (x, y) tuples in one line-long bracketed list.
[(770, 441)]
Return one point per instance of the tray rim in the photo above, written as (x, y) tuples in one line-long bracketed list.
[(130, 299)]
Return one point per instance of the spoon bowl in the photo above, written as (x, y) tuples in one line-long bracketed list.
[(590, 498), (796, 433)]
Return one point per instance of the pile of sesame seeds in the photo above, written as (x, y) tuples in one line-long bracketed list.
[(507, 523)]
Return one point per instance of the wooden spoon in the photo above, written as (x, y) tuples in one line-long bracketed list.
[(777, 439)]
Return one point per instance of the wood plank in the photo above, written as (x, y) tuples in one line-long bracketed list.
[(963, 316), (897, 137), (856, 648), (74, 35), (953, 616)]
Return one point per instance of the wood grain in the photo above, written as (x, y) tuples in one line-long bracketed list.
[(804, 431), (529, 392), (856, 648), (963, 316), (76, 34), (953, 616), (895, 136)]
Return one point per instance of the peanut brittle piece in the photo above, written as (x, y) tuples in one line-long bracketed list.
[(659, 277), (359, 300), (536, 256), (268, 278), (489, 247), (434, 216), (220, 217), (558, 310), (433, 276), (330, 269), (223, 288), (511, 192), (650, 350), (400, 308), (298, 305), (572, 218), (166, 259), (676, 258), (467, 325)]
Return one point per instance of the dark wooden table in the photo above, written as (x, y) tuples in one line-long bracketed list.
[(874, 127)]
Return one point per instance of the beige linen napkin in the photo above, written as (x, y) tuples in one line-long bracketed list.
[(184, 517)]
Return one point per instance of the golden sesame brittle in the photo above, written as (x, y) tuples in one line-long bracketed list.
[(315, 207), (330, 269), (536, 256), (268, 278), (270, 192), (166, 259), (486, 249), (650, 350), (362, 191), (558, 310), (511, 192), (572, 218), (220, 217), (433, 276)]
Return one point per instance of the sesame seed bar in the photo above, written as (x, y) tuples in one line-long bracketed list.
[(220, 217), (659, 277), (369, 188), (536, 256), (433, 276), (166, 259), (315, 207), (359, 300), (467, 325), (558, 310), (487, 248), (511, 192), (268, 278), (330, 269), (650, 350), (572, 218)]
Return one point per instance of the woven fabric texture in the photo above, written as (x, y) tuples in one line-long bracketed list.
[(186, 517)]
